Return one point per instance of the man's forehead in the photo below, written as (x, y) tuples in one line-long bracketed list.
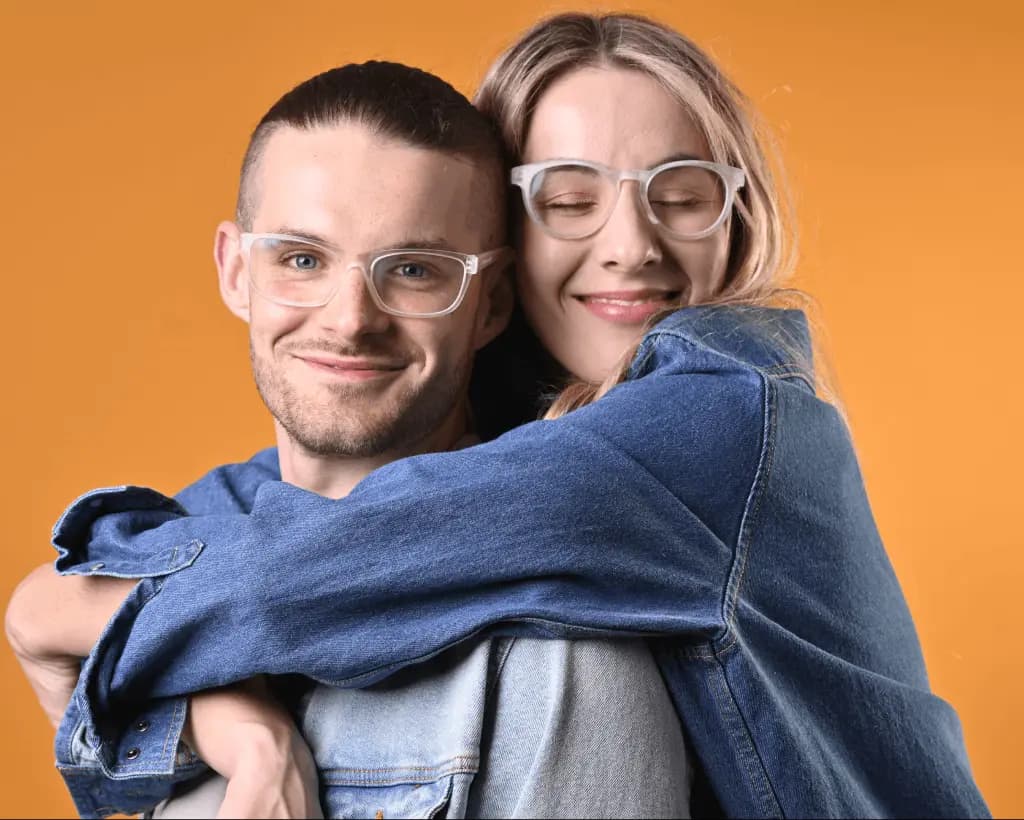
[(347, 176), (352, 155)]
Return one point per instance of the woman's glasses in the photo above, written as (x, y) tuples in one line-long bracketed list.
[(573, 199)]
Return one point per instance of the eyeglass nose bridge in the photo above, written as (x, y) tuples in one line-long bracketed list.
[(336, 287), (371, 288), (617, 177)]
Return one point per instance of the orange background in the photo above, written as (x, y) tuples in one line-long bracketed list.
[(902, 129)]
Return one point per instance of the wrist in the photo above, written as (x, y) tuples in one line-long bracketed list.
[(264, 746), (237, 728)]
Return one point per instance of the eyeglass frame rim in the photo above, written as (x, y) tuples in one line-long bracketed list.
[(522, 176), (472, 264)]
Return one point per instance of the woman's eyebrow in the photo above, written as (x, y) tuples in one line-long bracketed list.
[(677, 158)]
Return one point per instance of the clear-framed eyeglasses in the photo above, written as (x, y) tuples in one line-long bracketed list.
[(411, 282), (573, 199)]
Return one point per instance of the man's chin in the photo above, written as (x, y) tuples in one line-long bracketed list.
[(354, 428), (349, 442)]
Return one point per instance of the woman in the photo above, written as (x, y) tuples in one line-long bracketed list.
[(710, 499)]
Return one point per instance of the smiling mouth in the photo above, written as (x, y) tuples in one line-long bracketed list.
[(355, 370), (629, 307)]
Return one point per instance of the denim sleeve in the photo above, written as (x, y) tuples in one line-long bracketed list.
[(130, 760), (133, 759), (90, 523), (618, 519)]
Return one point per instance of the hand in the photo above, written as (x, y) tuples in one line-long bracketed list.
[(248, 738)]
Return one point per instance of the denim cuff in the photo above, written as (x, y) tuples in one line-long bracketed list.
[(95, 535), (129, 771)]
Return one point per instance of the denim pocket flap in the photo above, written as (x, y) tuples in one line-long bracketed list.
[(444, 797)]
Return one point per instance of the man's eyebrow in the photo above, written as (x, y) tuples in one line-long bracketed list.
[(287, 230), (431, 243), (427, 243)]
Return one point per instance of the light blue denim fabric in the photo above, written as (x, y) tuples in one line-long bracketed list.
[(499, 728), (711, 499)]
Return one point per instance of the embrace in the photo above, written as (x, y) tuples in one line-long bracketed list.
[(560, 521)]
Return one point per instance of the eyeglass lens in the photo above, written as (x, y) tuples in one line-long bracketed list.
[(297, 273), (574, 201)]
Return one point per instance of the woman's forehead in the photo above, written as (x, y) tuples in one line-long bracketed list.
[(619, 117)]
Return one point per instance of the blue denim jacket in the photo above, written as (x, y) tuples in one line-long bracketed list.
[(710, 502)]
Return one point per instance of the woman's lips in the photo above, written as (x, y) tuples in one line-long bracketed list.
[(628, 307)]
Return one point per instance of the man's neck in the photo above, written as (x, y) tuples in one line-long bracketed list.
[(336, 476)]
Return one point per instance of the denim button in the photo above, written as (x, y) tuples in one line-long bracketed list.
[(142, 726), (133, 753), (97, 566)]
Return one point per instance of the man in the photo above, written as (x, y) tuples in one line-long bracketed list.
[(367, 260)]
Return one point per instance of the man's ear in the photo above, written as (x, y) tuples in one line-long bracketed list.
[(496, 303), (234, 282)]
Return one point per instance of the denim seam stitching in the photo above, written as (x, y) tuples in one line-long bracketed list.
[(743, 547), (757, 776), (744, 539), (167, 755), (457, 760)]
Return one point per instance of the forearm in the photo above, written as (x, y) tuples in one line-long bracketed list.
[(52, 623), (347, 591), (246, 736), (54, 616), (593, 522)]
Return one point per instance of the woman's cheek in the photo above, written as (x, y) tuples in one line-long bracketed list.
[(546, 265), (705, 262)]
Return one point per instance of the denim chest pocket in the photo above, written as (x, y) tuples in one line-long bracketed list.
[(416, 796), (407, 747)]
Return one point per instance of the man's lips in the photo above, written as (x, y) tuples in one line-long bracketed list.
[(354, 368), (629, 307)]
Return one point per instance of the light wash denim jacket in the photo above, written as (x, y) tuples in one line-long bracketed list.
[(710, 502)]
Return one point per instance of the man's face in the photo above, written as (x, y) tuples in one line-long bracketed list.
[(347, 379)]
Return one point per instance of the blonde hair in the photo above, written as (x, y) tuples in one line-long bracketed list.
[(763, 242)]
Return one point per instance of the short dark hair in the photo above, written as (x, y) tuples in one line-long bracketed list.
[(391, 99)]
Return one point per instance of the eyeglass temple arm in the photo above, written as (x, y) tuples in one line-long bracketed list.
[(504, 254)]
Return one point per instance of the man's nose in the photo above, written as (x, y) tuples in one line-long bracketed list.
[(352, 313), (629, 240)]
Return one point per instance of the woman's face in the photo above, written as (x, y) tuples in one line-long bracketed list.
[(587, 299)]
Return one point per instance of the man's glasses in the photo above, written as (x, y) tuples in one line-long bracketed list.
[(573, 199), (299, 272)]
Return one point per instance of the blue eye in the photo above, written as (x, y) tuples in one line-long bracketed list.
[(411, 270), (304, 261)]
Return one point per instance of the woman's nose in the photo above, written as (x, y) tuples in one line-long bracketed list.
[(629, 240)]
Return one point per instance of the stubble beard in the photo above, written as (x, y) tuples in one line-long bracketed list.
[(352, 424)]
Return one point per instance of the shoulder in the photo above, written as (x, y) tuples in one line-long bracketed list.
[(729, 339), (231, 488)]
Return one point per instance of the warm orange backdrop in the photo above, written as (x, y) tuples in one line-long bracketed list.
[(901, 124)]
